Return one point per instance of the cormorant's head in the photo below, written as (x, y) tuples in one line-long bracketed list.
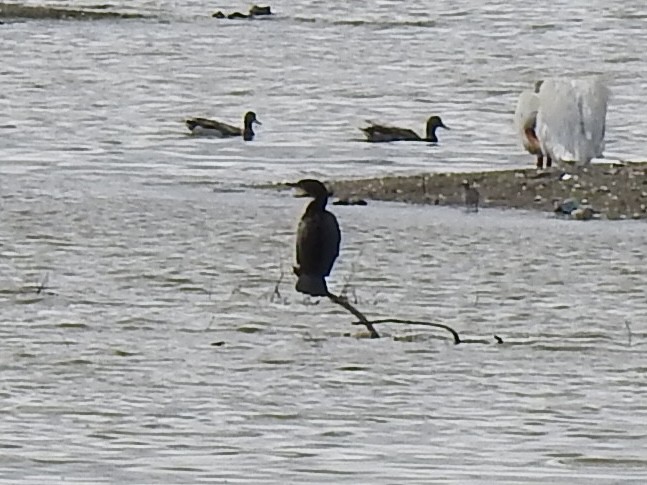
[(538, 85), (435, 122), (310, 188), (250, 117)]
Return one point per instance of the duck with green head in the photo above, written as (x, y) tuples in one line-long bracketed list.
[(207, 127), (384, 133), (318, 239)]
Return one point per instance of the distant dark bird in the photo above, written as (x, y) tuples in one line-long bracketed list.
[(318, 239), (237, 15), (206, 127), (383, 133), (350, 201), (256, 10), (471, 196)]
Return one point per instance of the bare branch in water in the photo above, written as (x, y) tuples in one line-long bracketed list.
[(349, 277), (457, 338), (342, 301), (43, 284), (276, 294), (628, 333)]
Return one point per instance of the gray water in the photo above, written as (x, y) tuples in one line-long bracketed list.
[(157, 350)]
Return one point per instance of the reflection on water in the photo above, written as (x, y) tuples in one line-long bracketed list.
[(149, 250)]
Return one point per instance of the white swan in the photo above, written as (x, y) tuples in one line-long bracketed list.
[(563, 120), (525, 121)]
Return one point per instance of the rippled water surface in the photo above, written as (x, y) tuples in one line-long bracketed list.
[(143, 340)]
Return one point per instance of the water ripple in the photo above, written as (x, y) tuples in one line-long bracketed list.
[(158, 351)]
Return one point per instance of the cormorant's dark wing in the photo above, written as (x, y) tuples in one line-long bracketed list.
[(332, 240), (318, 240)]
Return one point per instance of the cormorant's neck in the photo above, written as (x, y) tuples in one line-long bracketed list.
[(317, 205)]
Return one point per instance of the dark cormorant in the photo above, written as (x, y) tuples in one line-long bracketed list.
[(204, 126), (383, 133), (318, 238)]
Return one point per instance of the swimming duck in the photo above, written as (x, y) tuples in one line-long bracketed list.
[(563, 120), (237, 15), (204, 126), (255, 10), (471, 196), (382, 133), (318, 239)]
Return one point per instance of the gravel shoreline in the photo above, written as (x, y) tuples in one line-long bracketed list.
[(614, 191)]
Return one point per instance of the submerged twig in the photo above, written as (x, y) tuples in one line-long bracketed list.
[(43, 284), (628, 333), (276, 293), (342, 301), (457, 338), (349, 277)]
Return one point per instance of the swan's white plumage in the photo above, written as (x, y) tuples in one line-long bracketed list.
[(570, 118), (525, 115)]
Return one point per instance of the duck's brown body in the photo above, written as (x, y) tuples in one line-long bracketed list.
[(377, 133), (204, 126)]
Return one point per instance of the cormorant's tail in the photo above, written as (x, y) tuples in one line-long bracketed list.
[(313, 285)]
